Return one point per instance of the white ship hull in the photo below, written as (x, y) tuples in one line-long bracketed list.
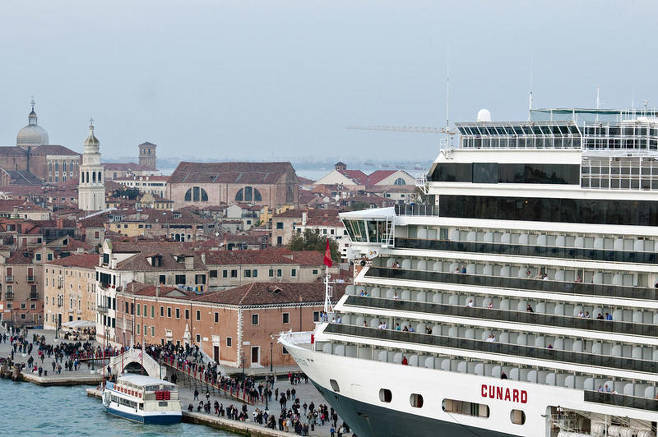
[(360, 381)]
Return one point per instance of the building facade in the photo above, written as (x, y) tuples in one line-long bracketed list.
[(69, 290)]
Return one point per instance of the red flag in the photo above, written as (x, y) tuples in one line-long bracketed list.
[(327, 255)]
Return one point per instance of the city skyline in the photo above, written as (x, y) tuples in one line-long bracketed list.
[(249, 81)]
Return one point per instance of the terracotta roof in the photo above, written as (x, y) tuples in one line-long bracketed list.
[(234, 257), (356, 175), (20, 257), (140, 262), (308, 257), (141, 289), (11, 151), (265, 293), (378, 176), (124, 166), (87, 261), (231, 172), (52, 149)]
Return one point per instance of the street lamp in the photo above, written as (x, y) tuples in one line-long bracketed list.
[(271, 369)]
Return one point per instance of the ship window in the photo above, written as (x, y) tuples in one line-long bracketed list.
[(385, 395), (517, 417), (416, 400), (334, 385), (465, 408)]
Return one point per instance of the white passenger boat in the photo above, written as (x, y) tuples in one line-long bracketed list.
[(143, 399)]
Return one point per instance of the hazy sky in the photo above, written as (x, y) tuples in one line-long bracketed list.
[(282, 79)]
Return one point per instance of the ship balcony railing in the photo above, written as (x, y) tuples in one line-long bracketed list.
[(529, 250), (582, 358), (547, 286), (621, 400), (533, 318), (416, 209)]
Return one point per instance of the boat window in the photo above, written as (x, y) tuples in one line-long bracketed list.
[(385, 395), (334, 385), (517, 417), (465, 408), (416, 400), (163, 404)]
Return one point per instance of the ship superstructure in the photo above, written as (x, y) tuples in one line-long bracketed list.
[(520, 300)]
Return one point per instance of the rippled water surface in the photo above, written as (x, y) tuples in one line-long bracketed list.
[(30, 410)]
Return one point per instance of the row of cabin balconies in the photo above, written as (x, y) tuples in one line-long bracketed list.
[(638, 244), (636, 393), (486, 276), (630, 320), (570, 349), (530, 250)]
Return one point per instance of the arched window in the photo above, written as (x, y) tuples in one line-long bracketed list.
[(64, 166), (99, 177), (56, 166), (196, 194), (248, 194), (93, 176), (399, 181)]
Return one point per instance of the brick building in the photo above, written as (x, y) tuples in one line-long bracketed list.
[(69, 290), (21, 302), (236, 327), (210, 184)]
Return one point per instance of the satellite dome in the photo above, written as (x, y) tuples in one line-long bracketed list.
[(484, 115), (32, 134)]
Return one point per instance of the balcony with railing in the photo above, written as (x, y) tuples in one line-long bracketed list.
[(416, 338), (34, 295), (532, 318), (9, 278), (541, 285), (9, 295), (529, 250)]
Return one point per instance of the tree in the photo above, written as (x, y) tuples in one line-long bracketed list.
[(313, 240)]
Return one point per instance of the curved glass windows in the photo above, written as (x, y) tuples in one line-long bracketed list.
[(196, 194), (248, 194)]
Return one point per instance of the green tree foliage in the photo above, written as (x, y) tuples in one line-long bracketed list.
[(126, 193), (313, 240)]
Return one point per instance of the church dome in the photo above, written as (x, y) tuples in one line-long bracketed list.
[(32, 134)]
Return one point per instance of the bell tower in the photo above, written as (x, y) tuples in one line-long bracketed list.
[(91, 186), (147, 156)]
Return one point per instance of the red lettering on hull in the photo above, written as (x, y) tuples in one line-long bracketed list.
[(504, 393)]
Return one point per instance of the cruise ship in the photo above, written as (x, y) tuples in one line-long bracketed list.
[(519, 299)]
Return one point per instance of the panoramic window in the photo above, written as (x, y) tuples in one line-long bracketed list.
[(248, 194), (196, 194)]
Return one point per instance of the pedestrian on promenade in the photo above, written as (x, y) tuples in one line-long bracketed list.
[(196, 394)]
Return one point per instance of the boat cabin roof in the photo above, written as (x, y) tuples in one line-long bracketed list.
[(143, 381)]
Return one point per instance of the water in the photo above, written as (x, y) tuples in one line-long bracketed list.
[(30, 410)]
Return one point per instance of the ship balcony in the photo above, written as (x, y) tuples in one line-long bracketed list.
[(621, 400), (540, 285), (537, 317), (525, 351), (529, 250)]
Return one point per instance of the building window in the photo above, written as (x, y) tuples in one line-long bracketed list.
[(316, 316), (279, 225), (517, 417), (38, 257), (152, 331), (279, 240), (139, 308), (234, 273), (293, 272), (213, 273), (254, 319), (247, 273), (271, 273), (224, 273), (152, 311), (286, 318), (169, 312), (216, 317), (315, 271), (198, 338), (229, 340), (385, 395), (163, 279), (254, 273), (196, 194), (180, 279), (187, 314), (416, 400), (399, 181), (279, 272), (161, 311), (198, 315), (284, 351), (248, 194)]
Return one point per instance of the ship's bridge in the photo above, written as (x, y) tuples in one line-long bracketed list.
[(374, 226)]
